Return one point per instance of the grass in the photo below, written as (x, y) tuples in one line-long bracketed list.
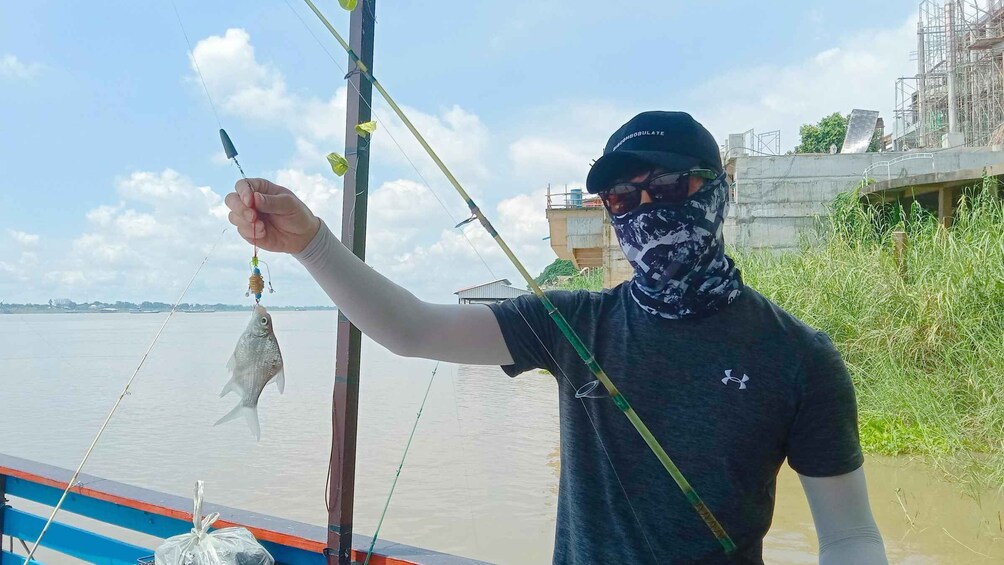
[(588, 279), (926, 349)]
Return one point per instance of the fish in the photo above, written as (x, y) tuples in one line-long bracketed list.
[(255, 363)]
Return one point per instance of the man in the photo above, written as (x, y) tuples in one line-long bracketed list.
[(729, 383)]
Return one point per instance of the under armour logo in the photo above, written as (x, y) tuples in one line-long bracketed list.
[(729, 377)]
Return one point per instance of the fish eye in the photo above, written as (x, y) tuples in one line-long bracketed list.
[(264, 321)]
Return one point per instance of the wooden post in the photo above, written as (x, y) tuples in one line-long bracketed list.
[(345, 399), (945, 210), (899, 243)]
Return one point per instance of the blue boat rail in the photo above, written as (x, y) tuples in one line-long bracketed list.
[(160, 515)]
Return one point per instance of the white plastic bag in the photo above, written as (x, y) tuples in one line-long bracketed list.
[(229, 546)]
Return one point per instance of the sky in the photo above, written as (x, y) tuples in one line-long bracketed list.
[(112, 176)]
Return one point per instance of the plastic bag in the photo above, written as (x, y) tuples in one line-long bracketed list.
[(228, 546)]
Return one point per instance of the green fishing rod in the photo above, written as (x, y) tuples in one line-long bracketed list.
[(580, 348)]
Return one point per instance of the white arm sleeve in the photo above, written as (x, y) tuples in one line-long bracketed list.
[(395, 318), (844, 524)]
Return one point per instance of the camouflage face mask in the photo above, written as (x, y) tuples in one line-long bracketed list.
[(678, 254)]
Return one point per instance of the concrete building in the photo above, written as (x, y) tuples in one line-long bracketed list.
[(957, 96), (580, 231), (489, 293), (776, 201)]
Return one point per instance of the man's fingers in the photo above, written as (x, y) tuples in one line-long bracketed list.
[(274, 203), (234, 202), (249, 233), (262, 186)]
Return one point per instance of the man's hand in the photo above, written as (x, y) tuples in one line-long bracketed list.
[(271, 216)]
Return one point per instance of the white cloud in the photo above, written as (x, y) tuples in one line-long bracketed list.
[(235, 79), (11, 67), (245, 87), (856, 72), (318, 192), (467, 256), (147, 241), (146, 245), (103, 215), (23, 238), (535, 159)]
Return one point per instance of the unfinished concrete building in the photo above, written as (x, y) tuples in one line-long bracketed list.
[(957, 95)]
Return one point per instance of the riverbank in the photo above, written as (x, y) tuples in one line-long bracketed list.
[(925, 345)]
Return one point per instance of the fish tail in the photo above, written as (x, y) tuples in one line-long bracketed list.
[(250, 414)]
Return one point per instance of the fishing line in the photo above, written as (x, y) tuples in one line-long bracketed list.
[(376, 116), (125, 392), (228, 148), (397, 475), (569, 333), (491, 271), (467, 469), (379, 120), (191, 53)]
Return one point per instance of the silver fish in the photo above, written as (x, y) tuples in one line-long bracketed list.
[(255, 363)]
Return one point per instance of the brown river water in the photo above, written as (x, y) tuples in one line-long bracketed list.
[(480, 480)]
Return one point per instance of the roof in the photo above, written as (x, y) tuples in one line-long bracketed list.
[(503, 281), (494, 290)]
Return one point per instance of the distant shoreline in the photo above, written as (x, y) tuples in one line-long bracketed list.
[(191, 309)]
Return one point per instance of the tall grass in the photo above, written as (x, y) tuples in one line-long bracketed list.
[(587, 279), (925, 350)]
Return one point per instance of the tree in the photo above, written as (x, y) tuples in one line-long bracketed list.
[(819, 137), (559, 268), (829, 131)]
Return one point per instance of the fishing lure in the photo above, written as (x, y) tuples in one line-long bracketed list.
[(257, 360), (256, 283)]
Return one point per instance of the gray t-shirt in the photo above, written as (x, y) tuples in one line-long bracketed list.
[(729, 396)]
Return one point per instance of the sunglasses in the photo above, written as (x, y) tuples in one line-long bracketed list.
[(670, 188)]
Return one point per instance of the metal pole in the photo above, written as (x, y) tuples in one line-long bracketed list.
[(921, 87), (345, 402), (953, 117)]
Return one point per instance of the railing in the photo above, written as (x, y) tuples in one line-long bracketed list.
[(888, 164), (160, 515), (573, 199)]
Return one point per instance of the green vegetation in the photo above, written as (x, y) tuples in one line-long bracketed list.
[(590, 279), (559, 268), (817, 138), (926, 349)]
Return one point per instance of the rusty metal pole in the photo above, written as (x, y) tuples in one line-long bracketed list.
[(899, 244), (345, 402)]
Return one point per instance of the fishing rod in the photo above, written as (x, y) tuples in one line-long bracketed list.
[(576, 342), (125, 391), (397, 475)]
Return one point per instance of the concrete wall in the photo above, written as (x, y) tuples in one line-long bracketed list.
[(585, 236), (574, 229), (777, 200), (616, 268)]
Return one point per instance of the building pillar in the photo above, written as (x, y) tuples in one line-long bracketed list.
[(945, 206)]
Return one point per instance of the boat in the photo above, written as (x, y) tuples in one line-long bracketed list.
[(118, 506), (122, 508)]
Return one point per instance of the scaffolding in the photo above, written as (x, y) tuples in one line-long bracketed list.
[(957, 95), (751, 142)]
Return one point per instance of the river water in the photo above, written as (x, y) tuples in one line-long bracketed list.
[(481, 478)]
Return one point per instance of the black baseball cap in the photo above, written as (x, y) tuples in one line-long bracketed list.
[(672, 140)]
